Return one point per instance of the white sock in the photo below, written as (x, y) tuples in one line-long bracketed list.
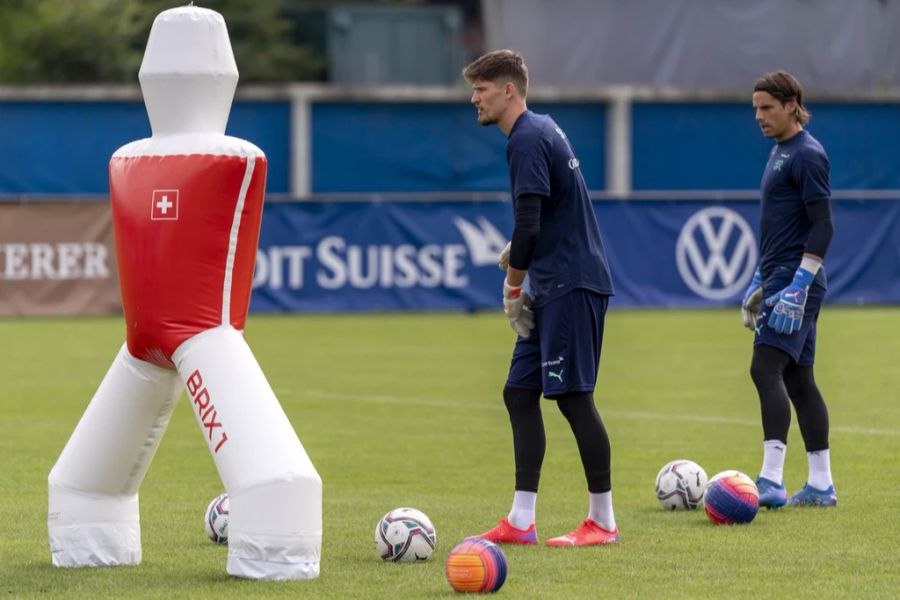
[(819, 469), (521, 516), (602, 510), (773, 461)]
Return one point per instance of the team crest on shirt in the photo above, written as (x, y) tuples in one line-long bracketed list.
[(778, 164)]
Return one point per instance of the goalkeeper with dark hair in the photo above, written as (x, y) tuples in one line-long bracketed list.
[(795, 232), (556, 243)]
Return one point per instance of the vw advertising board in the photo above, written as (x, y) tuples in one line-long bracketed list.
[(412, 255)]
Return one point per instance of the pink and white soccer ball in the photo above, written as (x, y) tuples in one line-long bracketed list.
[(680, 485), (216, 520), (731, 498), (405, 535), (729, 473)]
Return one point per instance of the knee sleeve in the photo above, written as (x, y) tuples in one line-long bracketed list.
[(767, 366), (521, 401), (591, 437), (812, 414), (767, 370), (529, 440)]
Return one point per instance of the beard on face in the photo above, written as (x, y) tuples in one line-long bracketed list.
[(484, 120)]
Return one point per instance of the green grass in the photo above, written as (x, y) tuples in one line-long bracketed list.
[(401, 410)]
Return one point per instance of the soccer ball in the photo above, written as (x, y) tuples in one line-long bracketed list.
[(731, 497), (476, 565), (404, 535), (722, 474), (217, 519), (680, 485)]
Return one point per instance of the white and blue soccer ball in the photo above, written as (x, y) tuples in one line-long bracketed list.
[(405, 535), (217, 519), (680, 485)]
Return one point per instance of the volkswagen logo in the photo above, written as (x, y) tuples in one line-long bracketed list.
[(716, 253)]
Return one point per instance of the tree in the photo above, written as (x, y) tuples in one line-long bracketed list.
[(260, 37), (51, 41), (92, 41)]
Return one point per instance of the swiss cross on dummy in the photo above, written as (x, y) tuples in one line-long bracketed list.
[(164, 205), (205, 192)]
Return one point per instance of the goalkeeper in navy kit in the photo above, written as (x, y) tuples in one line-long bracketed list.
[(783, 301), (559, 313)]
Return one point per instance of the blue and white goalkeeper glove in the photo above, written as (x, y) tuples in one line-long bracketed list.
[(787, 314), (517, 306), (752, 300)]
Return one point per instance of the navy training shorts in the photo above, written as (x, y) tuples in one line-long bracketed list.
[(800, 345), (562, 354)]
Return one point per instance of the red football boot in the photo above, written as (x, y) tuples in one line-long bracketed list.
[(505, 533), (588, 534)]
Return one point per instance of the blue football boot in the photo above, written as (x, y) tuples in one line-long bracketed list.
[(810, 496), (771, 494)]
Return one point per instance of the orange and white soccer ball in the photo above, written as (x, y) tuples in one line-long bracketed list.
[(476, 565)]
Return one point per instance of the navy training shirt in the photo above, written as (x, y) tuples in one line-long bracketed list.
[(797, 173), (569, 252)]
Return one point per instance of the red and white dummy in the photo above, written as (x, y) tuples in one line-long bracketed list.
[(187, 204)]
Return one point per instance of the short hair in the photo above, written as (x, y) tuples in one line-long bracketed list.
[(784, 87), (499, 65)]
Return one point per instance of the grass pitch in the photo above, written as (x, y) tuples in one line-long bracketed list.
[(405, 410)]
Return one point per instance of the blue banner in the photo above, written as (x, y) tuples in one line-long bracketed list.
[(383, 256)]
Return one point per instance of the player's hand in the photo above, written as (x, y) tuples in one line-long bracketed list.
[(517, 306), (503, 257), (752, 300), (787, 314)]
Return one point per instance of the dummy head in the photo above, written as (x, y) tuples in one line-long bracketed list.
[(188, 74)]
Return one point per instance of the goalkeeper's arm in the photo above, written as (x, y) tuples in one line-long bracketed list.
[(822, 230), (788, 305), (526, 231)]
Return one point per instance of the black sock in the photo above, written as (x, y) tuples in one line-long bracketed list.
[(593, 442), (767, 370), (812, 414), (529, 442)]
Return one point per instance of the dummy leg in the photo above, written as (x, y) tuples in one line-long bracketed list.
[(93, 517), (275, 494)]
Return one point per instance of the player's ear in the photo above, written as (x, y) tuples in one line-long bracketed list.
[(791, 106)]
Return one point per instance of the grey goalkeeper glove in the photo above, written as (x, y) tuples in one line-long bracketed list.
[(751, 302), (503, 257), (517, 306)]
